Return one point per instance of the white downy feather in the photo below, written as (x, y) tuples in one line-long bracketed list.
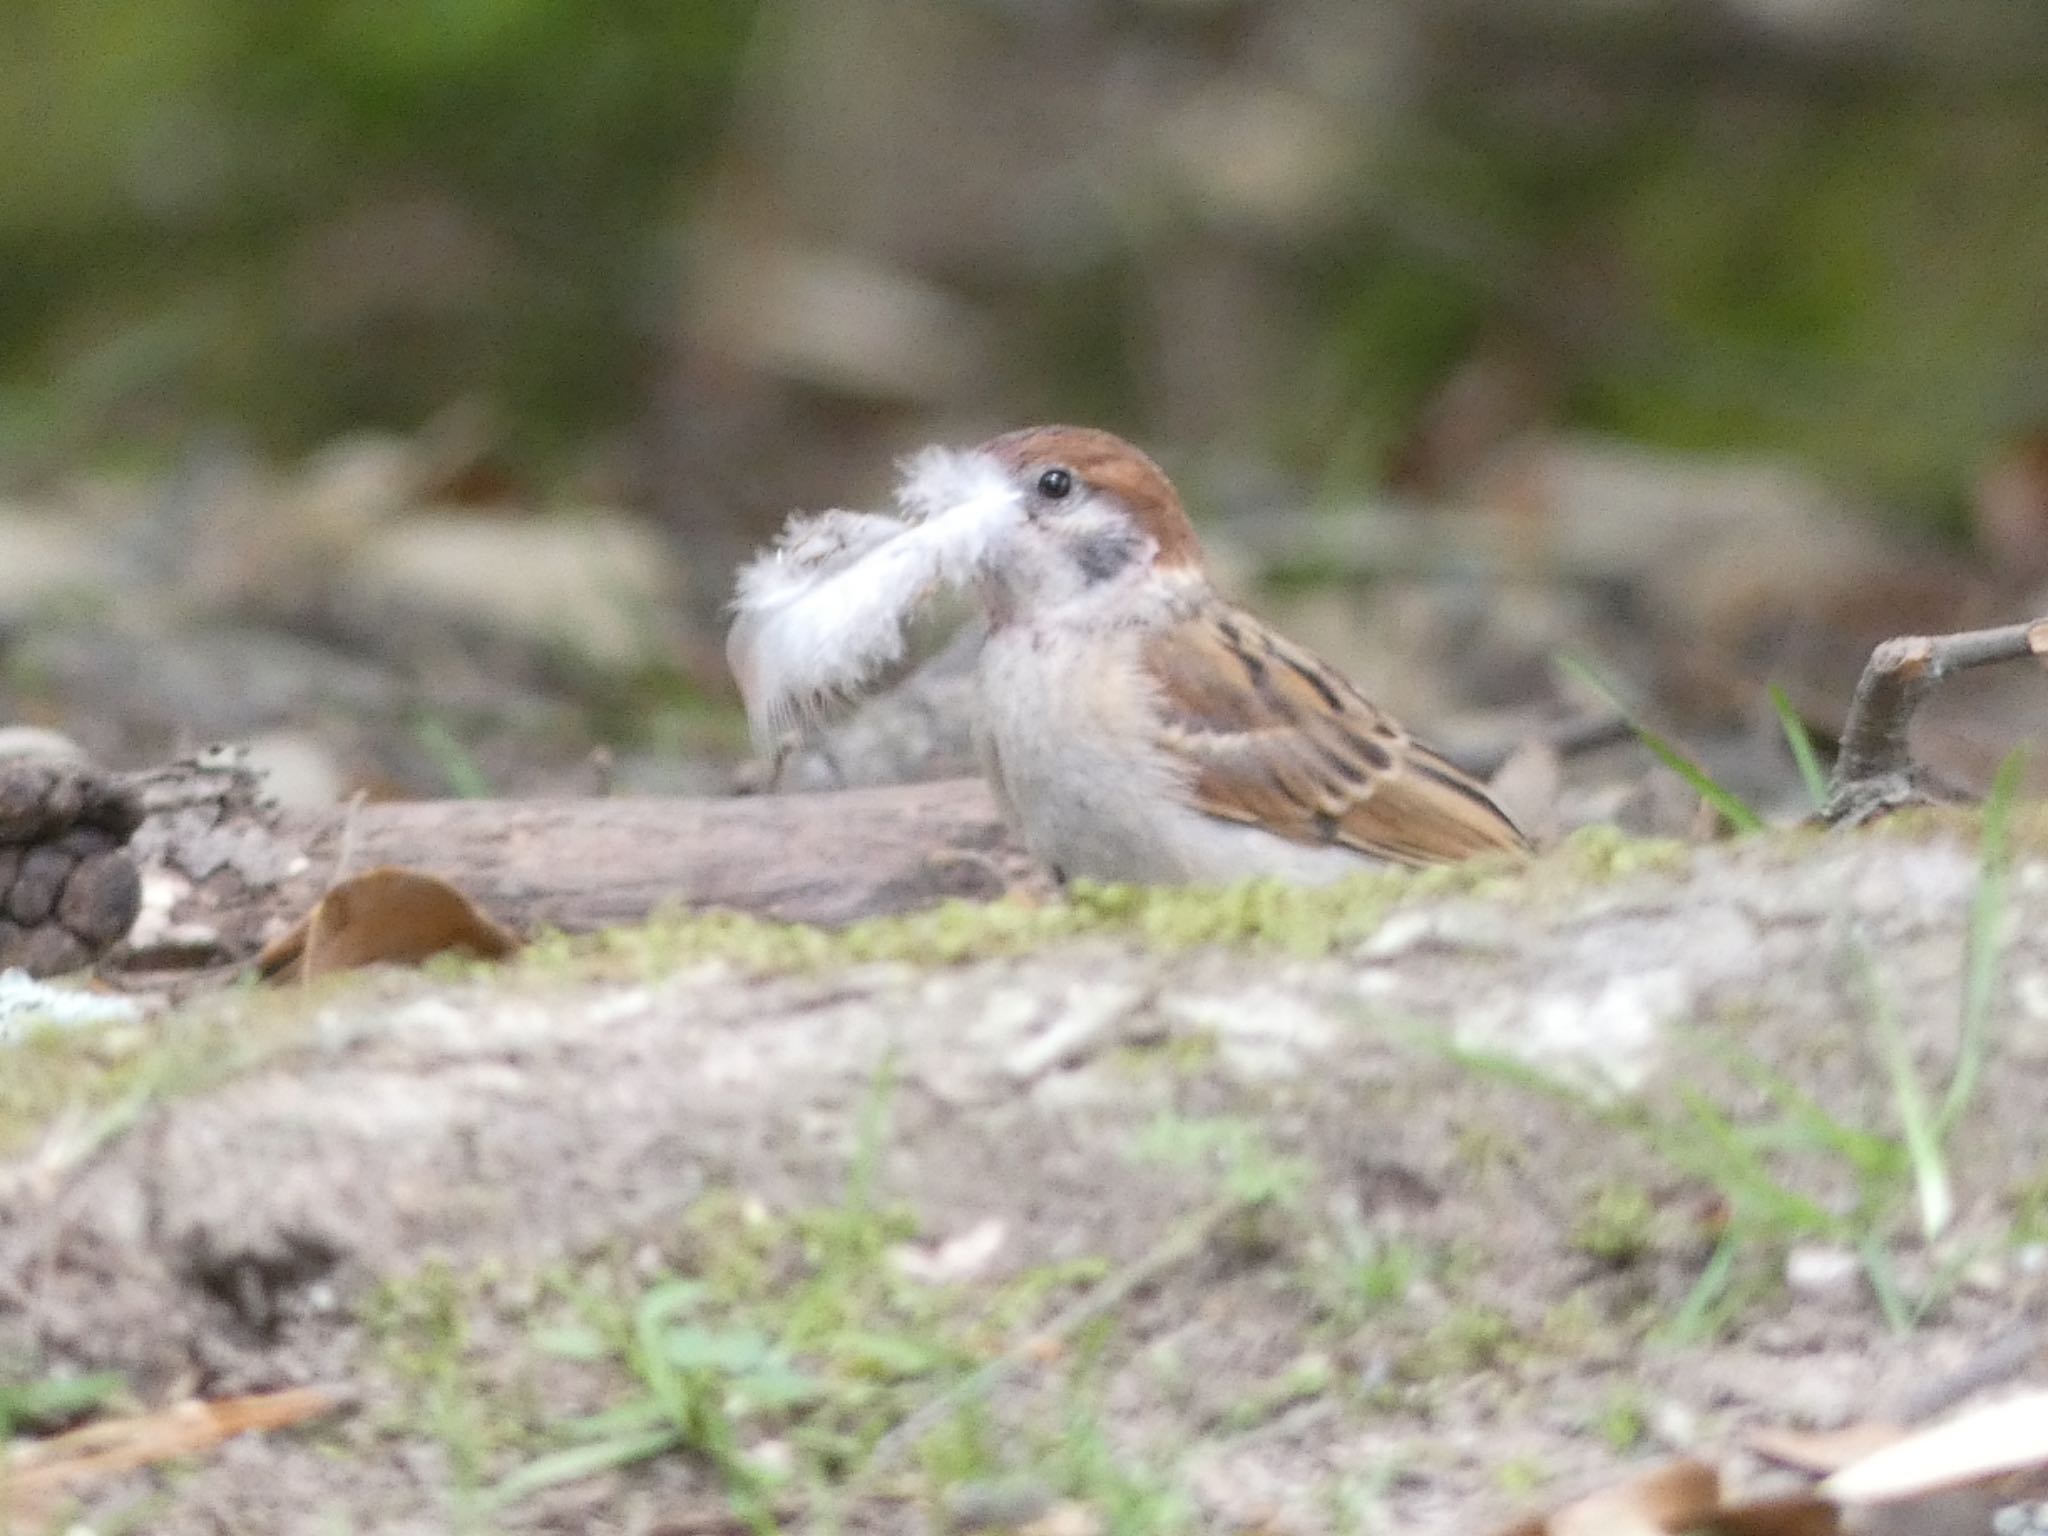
[(824, 614)]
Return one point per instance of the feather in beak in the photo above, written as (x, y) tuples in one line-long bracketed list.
[(823, 616)]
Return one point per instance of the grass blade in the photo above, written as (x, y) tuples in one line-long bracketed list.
[(1800, 740), (1727, 1158), (1695, 1319), (1808, 1123), (466, 779), (584, 1461), (1730, 806), (1986, 938), (1899, 1314), (1923, 1140), (52, 1399)]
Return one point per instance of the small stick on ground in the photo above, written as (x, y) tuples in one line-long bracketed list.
[(1875, 772)]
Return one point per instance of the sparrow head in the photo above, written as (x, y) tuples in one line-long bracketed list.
[(1097, 513)]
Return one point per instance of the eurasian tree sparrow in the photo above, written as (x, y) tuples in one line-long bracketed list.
[(1141, 728), (1136, 727)]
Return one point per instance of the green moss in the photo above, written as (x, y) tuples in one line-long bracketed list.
[(1264, 913), (1616, 1225), (1521, 1476), (1381, 1278), (1592, 855), (1470, 1339), (2028, 1200), (1622, 1421), (1303, 1381), (2027, 831)]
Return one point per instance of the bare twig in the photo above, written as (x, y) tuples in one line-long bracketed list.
[(35, 1477), (1875, 771)]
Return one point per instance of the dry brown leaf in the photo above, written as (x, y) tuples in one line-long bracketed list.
[(1673, 1497), (1799, 1514), (386, 916), (1819, 1452), (38, 1474), (1676, 1496), (1999, 1440), (1679, 1497)]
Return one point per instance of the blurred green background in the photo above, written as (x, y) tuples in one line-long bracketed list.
[(674, 239)]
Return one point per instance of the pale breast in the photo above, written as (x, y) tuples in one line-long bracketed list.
[(1065, 728)]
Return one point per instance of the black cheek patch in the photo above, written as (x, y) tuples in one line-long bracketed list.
[(1101, 555)]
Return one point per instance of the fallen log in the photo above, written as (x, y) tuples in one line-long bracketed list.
[(582, 865), (222, 871)]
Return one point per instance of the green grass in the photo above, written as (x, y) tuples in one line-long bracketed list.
[(1799, 1171), (1731, 808), (458, 767), (1986, 941), (1308, 921), (796, 1330), (1306, 1378), (87, 1085), (1359, 1276), (1131, 1495), (1471, 1337), (1800, 741), (1933, 1187), (1622, 1421), (1235, 1153), (701, 1382), (421, 1330), (1796, 1170), (51, 1402), (1617, 1225), (1257, 914), (1887, 1174)]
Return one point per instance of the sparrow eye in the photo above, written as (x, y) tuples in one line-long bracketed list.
[(1055, 484)]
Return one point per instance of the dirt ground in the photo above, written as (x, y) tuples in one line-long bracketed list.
[(1393, 1233)]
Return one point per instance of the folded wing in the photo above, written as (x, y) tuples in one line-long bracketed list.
[(1271, 737)]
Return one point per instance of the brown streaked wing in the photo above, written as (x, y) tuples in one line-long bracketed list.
[(1272, 737)]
